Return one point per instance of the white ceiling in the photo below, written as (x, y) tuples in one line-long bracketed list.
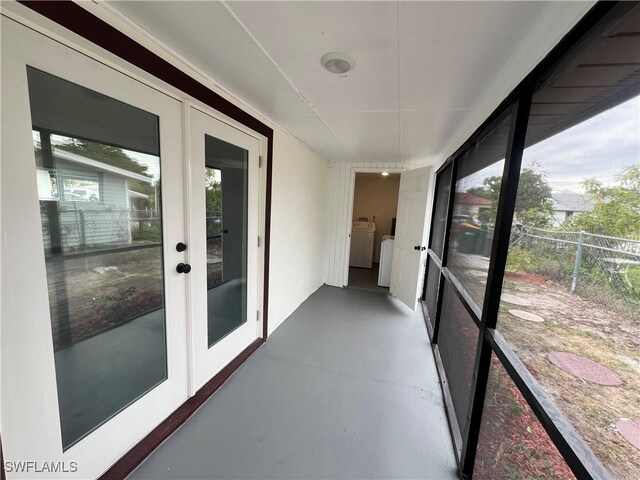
[(423, 69)]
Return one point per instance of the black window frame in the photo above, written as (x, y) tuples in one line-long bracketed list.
[(579, 458)]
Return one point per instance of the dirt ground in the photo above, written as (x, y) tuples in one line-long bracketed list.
[(577, 325), (91, 294)]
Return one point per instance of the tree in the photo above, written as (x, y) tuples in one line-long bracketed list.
[(533, 203), (213, 200), (617, 208)]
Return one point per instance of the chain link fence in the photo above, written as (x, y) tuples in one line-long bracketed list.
[(82, 229), (602, 269)]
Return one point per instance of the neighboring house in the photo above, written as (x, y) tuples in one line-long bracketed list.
[(470, 204), (94, 201), (565, 204)]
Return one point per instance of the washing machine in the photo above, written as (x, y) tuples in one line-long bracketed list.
[(362, 237)]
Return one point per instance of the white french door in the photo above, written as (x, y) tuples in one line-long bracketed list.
[(129, 271), (223, 251), (409, 250)]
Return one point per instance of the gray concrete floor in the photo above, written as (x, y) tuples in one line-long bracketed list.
[(366, 279), (345, 388)]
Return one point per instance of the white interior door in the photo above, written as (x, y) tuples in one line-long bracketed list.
[(93, 311), (411, 233), (223, 243)]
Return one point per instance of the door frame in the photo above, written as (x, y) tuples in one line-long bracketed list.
[(89, 29), (346, 253)]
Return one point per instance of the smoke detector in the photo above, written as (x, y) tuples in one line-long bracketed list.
[(337, 63)]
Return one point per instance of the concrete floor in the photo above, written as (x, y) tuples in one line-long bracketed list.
[(366, 279), (345, 388)]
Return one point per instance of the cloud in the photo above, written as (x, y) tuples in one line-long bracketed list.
[(601, 147)]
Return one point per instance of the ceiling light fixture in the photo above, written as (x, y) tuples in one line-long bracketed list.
[(337, 63), (385, 174)]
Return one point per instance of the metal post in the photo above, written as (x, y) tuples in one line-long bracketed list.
[(576, 266)]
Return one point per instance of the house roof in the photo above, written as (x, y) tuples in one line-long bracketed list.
[(465, 198), (99, 166), (571, 202)]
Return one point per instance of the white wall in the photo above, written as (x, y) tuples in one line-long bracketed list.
[(299, 226)]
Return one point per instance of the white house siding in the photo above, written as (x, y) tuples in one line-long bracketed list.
[(299, 221), (93, 224)]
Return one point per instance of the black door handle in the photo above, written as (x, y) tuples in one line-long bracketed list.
[(423, 249), (181, 247), (416, 247), (225, 231), (183, 268)]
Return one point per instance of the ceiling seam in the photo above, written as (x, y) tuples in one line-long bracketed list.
[(401, 159), (186, 66), (284, 75), (182, 62)]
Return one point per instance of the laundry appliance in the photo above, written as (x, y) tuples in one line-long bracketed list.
[(362, 238)]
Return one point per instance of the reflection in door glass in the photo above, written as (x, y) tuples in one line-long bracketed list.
[(226, 187), (101, 219)]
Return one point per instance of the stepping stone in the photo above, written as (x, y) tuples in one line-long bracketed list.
[(585, 369), (532, 317), (515, 300), (630, 430)]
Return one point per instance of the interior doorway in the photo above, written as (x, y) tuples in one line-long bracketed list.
[(375, 204)]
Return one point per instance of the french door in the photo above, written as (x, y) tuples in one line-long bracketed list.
[(223, 232), (129, 269)]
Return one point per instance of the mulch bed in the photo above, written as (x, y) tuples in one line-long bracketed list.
[(513, 443)]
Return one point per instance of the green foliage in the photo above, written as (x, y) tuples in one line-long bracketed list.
[(533, 203), (103, 153), (617, 208), (520, 260), (149, 233), (633, 277), (213, 200)]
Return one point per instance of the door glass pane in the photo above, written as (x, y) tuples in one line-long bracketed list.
[(226, 188), (101, 219), (474, 210)]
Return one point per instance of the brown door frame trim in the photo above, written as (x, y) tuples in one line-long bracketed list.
[(83, 23)]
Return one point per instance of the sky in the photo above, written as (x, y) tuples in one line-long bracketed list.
[(601, 147)]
